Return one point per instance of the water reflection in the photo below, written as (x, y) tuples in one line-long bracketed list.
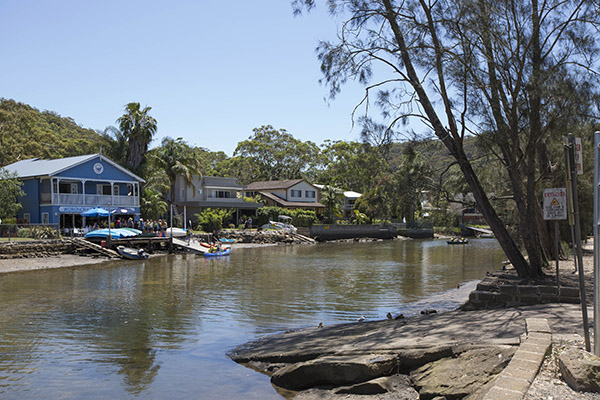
[(161, 328)]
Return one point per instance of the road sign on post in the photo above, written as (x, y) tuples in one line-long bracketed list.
[(555, 204)]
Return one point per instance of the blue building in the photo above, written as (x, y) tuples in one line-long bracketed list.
[(58, 191)]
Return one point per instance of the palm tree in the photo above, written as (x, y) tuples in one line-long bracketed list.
[(139, 128), (332, 199), (175, 158)]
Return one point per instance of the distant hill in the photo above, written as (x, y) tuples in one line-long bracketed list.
[(26, 132)]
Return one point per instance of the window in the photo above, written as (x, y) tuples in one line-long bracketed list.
[(116, 189), (310, 194), (103, 189), (45, 218), (199, 191), (296, 193), (27, 217), (222, 194), (74, 188), (182, 194)]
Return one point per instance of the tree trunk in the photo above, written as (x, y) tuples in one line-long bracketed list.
[(453, 144)]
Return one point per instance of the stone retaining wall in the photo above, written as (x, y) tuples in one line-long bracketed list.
[(37, 248), (336, 232), (504, 289)]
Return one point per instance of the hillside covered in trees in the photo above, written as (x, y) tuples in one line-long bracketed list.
[(26, 132)]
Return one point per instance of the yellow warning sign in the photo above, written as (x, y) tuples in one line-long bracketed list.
[(554, 202)]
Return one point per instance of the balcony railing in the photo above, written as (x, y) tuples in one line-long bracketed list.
[(90, 200)]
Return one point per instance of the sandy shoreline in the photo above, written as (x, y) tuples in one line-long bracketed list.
[(11, 265), (52, 262)]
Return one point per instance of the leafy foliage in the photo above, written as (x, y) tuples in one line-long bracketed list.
[(211, 219), (276, 154), (38, 232), (10, 191), (26, 132), (332, 198), (175, 158), (138, 127), (299, 217)]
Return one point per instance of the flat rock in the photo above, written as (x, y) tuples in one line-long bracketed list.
[(580, 370), (451, 328), (334, 371), (396, 387), (460, 376)]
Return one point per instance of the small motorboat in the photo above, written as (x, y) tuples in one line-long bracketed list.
[(224, 252), (458, 240), (132, 254)]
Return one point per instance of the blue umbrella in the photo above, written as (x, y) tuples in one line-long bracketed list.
[(95, 212)]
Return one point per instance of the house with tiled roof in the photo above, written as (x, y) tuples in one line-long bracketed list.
[(57, 191), (292, 193), (212, 192)]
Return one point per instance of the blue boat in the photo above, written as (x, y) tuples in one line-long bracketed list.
[(118, 233), (227, 240), (224, 252)]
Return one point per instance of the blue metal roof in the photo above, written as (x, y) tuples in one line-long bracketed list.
[(36, 167)]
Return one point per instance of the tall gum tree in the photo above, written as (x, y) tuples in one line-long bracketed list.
[(465, 67)]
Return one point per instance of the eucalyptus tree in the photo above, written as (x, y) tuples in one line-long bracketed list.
[(349, 165), (276, 154), (469, 66), (139, 129)]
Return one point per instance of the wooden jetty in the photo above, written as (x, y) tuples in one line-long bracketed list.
[(192, 246)]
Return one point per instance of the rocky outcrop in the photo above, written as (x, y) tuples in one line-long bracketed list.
[(396, 387), (452, 355), (457, 377), (265, 237), (334, 371), (580, 370)]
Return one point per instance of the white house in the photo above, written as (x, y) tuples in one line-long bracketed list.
[(293, 193)]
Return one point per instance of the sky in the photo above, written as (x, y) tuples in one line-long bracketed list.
[(211, 70)]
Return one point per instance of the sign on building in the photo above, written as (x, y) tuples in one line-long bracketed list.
[(555, 203)]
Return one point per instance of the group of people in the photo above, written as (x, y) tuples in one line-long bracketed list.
[(158, 227)]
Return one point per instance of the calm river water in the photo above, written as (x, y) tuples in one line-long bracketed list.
[(160, 329)]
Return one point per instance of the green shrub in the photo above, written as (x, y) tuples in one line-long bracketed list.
[(303, 218), (211, 219), (38, 232)]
